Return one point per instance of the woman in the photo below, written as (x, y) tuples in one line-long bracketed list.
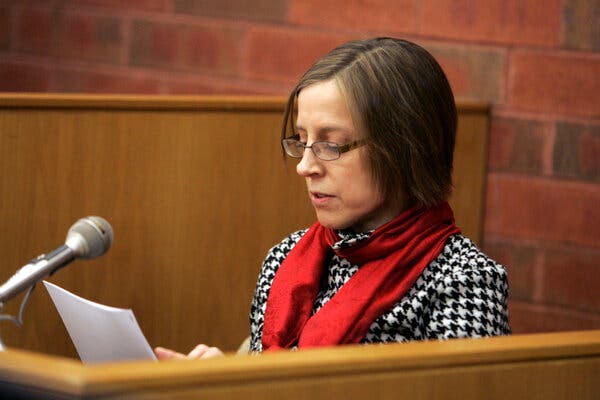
[(374, 134)]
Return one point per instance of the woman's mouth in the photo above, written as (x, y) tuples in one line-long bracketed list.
[(319, 198)]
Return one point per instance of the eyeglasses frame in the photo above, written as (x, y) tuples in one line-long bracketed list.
[(344, 148)]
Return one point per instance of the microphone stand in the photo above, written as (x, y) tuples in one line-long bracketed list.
[(18, 319), (9, 291)]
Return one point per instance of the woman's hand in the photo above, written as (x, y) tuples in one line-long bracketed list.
[(200, 351)]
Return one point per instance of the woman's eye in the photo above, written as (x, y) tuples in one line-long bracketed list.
[(300, 137)]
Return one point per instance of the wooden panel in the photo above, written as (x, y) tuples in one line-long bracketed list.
[(195, 189), (470, 161), (542, 366)]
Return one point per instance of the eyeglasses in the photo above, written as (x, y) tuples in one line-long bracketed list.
[(326, 151)]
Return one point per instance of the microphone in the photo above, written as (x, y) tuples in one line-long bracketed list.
[(90, 237)]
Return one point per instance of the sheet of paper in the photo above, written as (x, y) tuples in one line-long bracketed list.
[(100, 333)]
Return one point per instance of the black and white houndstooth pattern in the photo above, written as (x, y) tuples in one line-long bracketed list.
[(462, 293)]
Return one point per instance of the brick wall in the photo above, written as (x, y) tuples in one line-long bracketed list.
[(537, 63)]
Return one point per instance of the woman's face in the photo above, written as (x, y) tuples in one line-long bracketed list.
[(342, 191)]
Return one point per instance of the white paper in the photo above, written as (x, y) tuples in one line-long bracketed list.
[(100, 333)]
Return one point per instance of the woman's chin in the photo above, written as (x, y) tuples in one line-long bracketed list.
[(333, 224)]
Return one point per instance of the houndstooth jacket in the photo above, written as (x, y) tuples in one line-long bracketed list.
[(462, 293)]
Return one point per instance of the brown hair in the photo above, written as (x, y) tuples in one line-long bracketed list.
[(400, 99)]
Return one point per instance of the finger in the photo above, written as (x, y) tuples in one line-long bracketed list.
[(198, 351), (167, 354), (212, 352)]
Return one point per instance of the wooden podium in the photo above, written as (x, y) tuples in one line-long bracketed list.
[(539, 366), (196, 191)]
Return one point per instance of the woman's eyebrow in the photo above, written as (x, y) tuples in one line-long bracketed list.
[(323, 131)]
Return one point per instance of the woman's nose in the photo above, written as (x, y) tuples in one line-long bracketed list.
[(309, 164)]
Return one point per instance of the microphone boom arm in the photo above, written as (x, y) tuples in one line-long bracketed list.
[(35, 271)]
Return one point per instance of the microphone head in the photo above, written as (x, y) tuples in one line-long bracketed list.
[(90, 237)]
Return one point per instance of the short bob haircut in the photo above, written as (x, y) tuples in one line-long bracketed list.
[(402, 103)]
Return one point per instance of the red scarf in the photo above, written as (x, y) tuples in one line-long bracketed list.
[(390, 260)]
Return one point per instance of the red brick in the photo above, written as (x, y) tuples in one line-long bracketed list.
[(577, 151), (34, 29), (201, 48), (380, 15), (503, 133), (144, 5), (564, 83), (589, 153), (531, 22), (193, 88), (518, 145), (474, 73), (5, 27), (533, 318), (284, 55), (23, 78), (520, 263), (64, 34), (572, 278), (263, 10), (210, 86), (581, 21), (102, 82), (543, 209)]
